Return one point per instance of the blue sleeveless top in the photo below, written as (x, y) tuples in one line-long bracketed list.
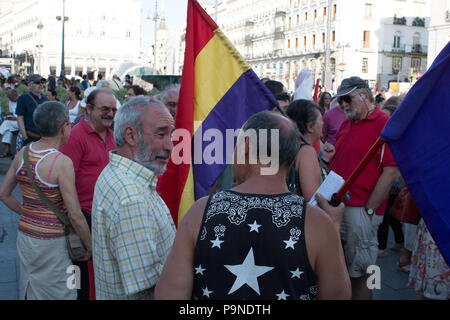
[(252, 246)]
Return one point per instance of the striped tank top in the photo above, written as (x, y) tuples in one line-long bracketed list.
[(36, 219)]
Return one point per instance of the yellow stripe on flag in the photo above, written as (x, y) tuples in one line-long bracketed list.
[(217, 67)]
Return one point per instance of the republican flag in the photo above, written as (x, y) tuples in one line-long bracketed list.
[(418, 134), (218, 91)]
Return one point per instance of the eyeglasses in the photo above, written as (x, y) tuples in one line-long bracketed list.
[(106, 109), (171, 104)]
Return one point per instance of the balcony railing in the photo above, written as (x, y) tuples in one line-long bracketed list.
[(401, 21)]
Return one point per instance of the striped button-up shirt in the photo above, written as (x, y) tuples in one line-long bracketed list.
[(132, 231)]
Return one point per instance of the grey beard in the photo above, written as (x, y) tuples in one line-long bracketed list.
[(353, 114), (145, 157)]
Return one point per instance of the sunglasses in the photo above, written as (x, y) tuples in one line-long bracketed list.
[(347, 98)]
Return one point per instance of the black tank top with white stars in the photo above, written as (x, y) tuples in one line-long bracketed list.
[(252, 246)]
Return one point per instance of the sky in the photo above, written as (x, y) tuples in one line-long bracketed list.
[(176, 11)]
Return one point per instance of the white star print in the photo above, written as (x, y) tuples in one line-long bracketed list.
[(254, 227), (282, 295), (296, 273), (206, 292), (247, 273), (290, 243), (216, 243), (199, 270)]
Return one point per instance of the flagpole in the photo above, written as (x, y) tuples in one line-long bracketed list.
[(337, 197), (316, 90)]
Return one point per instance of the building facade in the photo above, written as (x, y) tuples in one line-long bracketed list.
[(99, 35), (439, 29), (280, 38)]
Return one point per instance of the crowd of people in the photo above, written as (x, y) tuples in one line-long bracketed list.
[(254, 237)]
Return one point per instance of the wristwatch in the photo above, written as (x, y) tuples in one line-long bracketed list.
[(370, 212)]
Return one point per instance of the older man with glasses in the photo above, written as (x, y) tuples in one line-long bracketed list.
[(26, 105), (88, 146), (368, 195)]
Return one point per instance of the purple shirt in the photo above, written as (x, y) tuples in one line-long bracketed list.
[(332, 120)]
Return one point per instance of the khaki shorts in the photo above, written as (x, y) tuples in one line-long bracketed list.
[(359, 239)]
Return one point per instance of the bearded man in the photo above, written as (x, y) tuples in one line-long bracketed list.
[(132, 229)]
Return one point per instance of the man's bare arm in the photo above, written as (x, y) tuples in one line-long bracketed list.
[(21, 125), (325, 250), (382, 187), (176, 280)]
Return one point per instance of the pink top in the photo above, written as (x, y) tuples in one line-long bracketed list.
[(332, 120)]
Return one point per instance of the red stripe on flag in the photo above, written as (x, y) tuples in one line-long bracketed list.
[(199, 31)]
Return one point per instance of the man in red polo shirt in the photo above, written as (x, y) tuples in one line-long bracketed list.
[(368, 195), (88, 146)]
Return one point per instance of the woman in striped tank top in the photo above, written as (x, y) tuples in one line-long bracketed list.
[(41, 244)]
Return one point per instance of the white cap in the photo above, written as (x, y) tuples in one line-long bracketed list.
[(87, 92)]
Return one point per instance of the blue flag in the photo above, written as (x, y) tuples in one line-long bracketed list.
[(418, 134)]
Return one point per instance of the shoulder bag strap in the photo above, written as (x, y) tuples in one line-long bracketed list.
[(64, 219), (37, 104)]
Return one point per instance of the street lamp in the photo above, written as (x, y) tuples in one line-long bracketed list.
[(39, 46), (155, 18), (63, 19)]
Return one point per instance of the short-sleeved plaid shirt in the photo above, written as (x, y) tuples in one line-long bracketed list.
[(132, 231)]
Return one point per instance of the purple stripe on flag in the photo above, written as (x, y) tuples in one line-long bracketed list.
[(246, 97)]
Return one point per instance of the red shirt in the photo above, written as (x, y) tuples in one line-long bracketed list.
[(353, 141), (90, 155)]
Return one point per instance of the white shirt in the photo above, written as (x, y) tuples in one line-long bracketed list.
[(12, 107)]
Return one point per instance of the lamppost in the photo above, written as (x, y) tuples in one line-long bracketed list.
[(155, 18), (63, 18), (39, 46)]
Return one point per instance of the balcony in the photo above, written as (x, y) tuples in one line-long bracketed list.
[(419, 49), (401, 21), (418, 22)]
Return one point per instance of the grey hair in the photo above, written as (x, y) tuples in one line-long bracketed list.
[(163, 95), (334, 103), (369, 93), (103, 82), (130, 114), (49, 117)]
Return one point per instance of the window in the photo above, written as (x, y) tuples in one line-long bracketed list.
[(323, 37), (296, 43), (128, 34), (289, 44), (298, 19), (366, 39), (306, 16), (415, 64), (324, 11), (397, 40), (304, 41), (314, 41), (333, 36), (365, 65), (334, 11), (289, 23), (368, 11), (315, 14), (396, 64)]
